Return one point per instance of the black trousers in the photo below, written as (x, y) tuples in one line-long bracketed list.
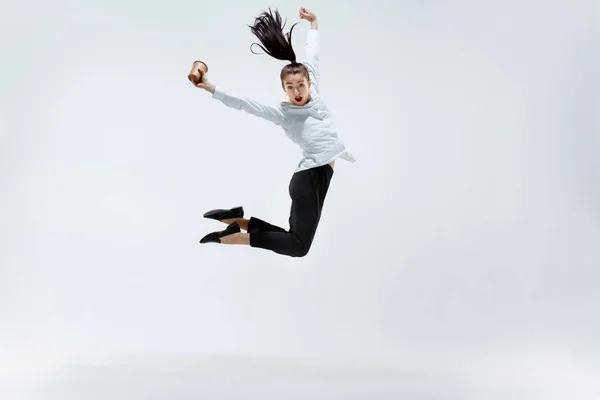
[(307, 189)]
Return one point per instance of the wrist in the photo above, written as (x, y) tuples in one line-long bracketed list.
[(314, 24)]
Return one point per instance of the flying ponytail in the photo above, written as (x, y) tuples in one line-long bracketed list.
[(268, 28)]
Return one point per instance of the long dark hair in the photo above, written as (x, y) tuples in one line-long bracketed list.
[(268, 28)]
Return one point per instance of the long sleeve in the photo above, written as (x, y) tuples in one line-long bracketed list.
[(311, 55), (274, 114)]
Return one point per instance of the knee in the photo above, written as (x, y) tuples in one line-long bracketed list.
[(299, 253), (300, 249)]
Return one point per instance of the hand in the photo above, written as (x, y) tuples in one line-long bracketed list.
[(307, 15), (203, 83)]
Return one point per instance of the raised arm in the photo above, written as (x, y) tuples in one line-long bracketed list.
[(311, 48), (271, 113)]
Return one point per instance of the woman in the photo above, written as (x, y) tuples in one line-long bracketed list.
[(306, 121)]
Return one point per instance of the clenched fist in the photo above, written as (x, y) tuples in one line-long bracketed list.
[(307, 15)]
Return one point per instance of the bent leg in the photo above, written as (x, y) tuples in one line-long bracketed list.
[(307, 190)]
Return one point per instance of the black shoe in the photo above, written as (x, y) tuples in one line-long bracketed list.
[(237, 212), (216, 236)]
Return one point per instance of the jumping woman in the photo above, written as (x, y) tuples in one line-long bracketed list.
[(307, 122)]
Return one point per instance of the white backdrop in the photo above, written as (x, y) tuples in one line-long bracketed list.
[(467, 229)]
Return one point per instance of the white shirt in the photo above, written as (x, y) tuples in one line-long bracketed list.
[(310, 126)]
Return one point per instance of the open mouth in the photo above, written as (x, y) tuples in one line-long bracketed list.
[(298, 98)]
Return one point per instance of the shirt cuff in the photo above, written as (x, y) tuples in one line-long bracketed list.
[(218, 94)]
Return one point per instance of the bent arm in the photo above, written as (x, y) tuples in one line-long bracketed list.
[(270, 113)]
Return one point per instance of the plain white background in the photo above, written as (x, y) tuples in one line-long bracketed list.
[(464, 239)]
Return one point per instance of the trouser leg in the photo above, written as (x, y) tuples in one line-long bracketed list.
[(307, 190)]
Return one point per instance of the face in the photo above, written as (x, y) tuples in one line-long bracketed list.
[(296, 86)]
